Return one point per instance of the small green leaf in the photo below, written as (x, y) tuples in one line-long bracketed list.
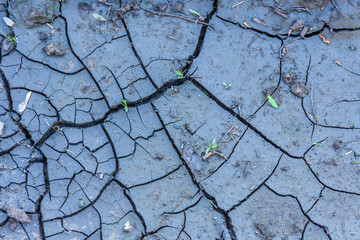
[(180, 75), (317, 144), (194, 12), (352, 125), (99, 17), (207, 151), (125, 105), (214, 141), (272, 101), (213, 146)]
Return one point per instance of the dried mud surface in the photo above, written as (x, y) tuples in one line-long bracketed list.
[(151, 119)]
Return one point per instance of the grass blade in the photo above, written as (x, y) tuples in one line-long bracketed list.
[(194, 12)]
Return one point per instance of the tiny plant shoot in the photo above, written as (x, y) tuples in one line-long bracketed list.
[(272, 101), (213, 145), (124, 102), (180, 75), (10, 38), (227, 86)]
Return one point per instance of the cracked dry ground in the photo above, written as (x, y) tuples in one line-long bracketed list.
[(79, 163)]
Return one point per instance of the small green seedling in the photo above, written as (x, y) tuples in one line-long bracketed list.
[(12, 39), (99, 17), (124, 102), (353, 163), (213, 145), (194, 12), (227, 86), (352, 125), (180, 75), (317, 144), (313, 28), (272, 101)]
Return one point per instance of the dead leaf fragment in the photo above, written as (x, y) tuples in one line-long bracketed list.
[(22, 106), (338, 63), (246, 25), (324, 39)]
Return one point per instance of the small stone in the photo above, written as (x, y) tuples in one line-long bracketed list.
[(296, 27), (18, 214), (161, 7), (54, 49), (337, 144), (299, 89), (7, 45), (289, 77), (8, 22), (178, 6), (81, 203), (2, 126), (173, 113), (128, 227)]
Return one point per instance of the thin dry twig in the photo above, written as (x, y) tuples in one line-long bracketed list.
[(336, 7), (214, 153), (176, 16), (238, 4)]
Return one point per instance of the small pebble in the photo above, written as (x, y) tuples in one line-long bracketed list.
[(128, 227), (299, 90), (8, 22)]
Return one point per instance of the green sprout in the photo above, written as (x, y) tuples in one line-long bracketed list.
[(213, 145), (313, 28), (272, 101), (124, 102), (352, 125), (227, 86), (194, 12), (180, 75), (317, 144), (12, 39)]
